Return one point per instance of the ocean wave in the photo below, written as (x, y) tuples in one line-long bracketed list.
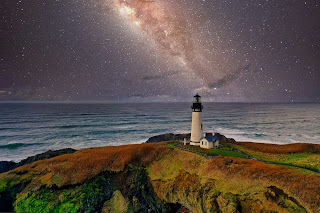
[(77, 126), (18, 145), (260, 135), (122, 124), (82, 126)]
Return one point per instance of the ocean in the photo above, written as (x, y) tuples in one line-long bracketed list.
[(27, 129)]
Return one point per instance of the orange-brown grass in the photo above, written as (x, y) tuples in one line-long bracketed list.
[(164, 163), (280, 149), (305, 188), (85, 164), (238, 176)]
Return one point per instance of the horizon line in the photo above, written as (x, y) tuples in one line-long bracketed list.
[(143, 102)]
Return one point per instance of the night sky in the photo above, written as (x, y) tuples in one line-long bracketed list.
[(160, 50)]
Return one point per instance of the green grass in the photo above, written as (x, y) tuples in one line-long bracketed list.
[(48, 201), (307, 160), (172, 144), (297, 156), (226, 153), (225, 148), (222, 151), (3, 185), (61, 200)]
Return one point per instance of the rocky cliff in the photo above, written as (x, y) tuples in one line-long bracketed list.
[(155, 177)]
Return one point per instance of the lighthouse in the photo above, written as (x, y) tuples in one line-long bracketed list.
[(196, 126)]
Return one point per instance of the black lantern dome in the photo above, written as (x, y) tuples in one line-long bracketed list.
[(197, 106)]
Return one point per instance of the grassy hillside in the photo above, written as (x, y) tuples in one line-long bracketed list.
[(245, 181), (303, 155), (81, 181), (136, 178)]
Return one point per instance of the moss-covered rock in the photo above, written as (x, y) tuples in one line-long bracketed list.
[(117, 204), (126, 191)]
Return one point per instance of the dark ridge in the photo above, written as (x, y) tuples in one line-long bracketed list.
[(168, 137), (181, 137), (6, 166), (9, 165)]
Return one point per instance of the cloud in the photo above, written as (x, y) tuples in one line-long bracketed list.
[(27, 92), (229, 78), (158, 77), (152, 98)]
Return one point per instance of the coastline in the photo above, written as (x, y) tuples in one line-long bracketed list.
[(40, 127), (167, 137), (161, 177)]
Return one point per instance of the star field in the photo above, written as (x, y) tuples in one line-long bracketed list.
[(160, 50)]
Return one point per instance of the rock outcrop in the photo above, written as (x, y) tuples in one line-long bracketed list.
[(9, 165), (168, 137), (181, 137)]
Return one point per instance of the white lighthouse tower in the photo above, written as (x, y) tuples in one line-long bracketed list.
[(196, 127)]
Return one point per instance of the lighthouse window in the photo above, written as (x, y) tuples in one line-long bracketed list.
[(206, 143), (201, 127)]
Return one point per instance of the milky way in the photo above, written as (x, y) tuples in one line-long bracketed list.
[(175, 36), (160, 50)]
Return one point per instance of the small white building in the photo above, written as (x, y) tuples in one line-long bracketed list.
[(209, 142)]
